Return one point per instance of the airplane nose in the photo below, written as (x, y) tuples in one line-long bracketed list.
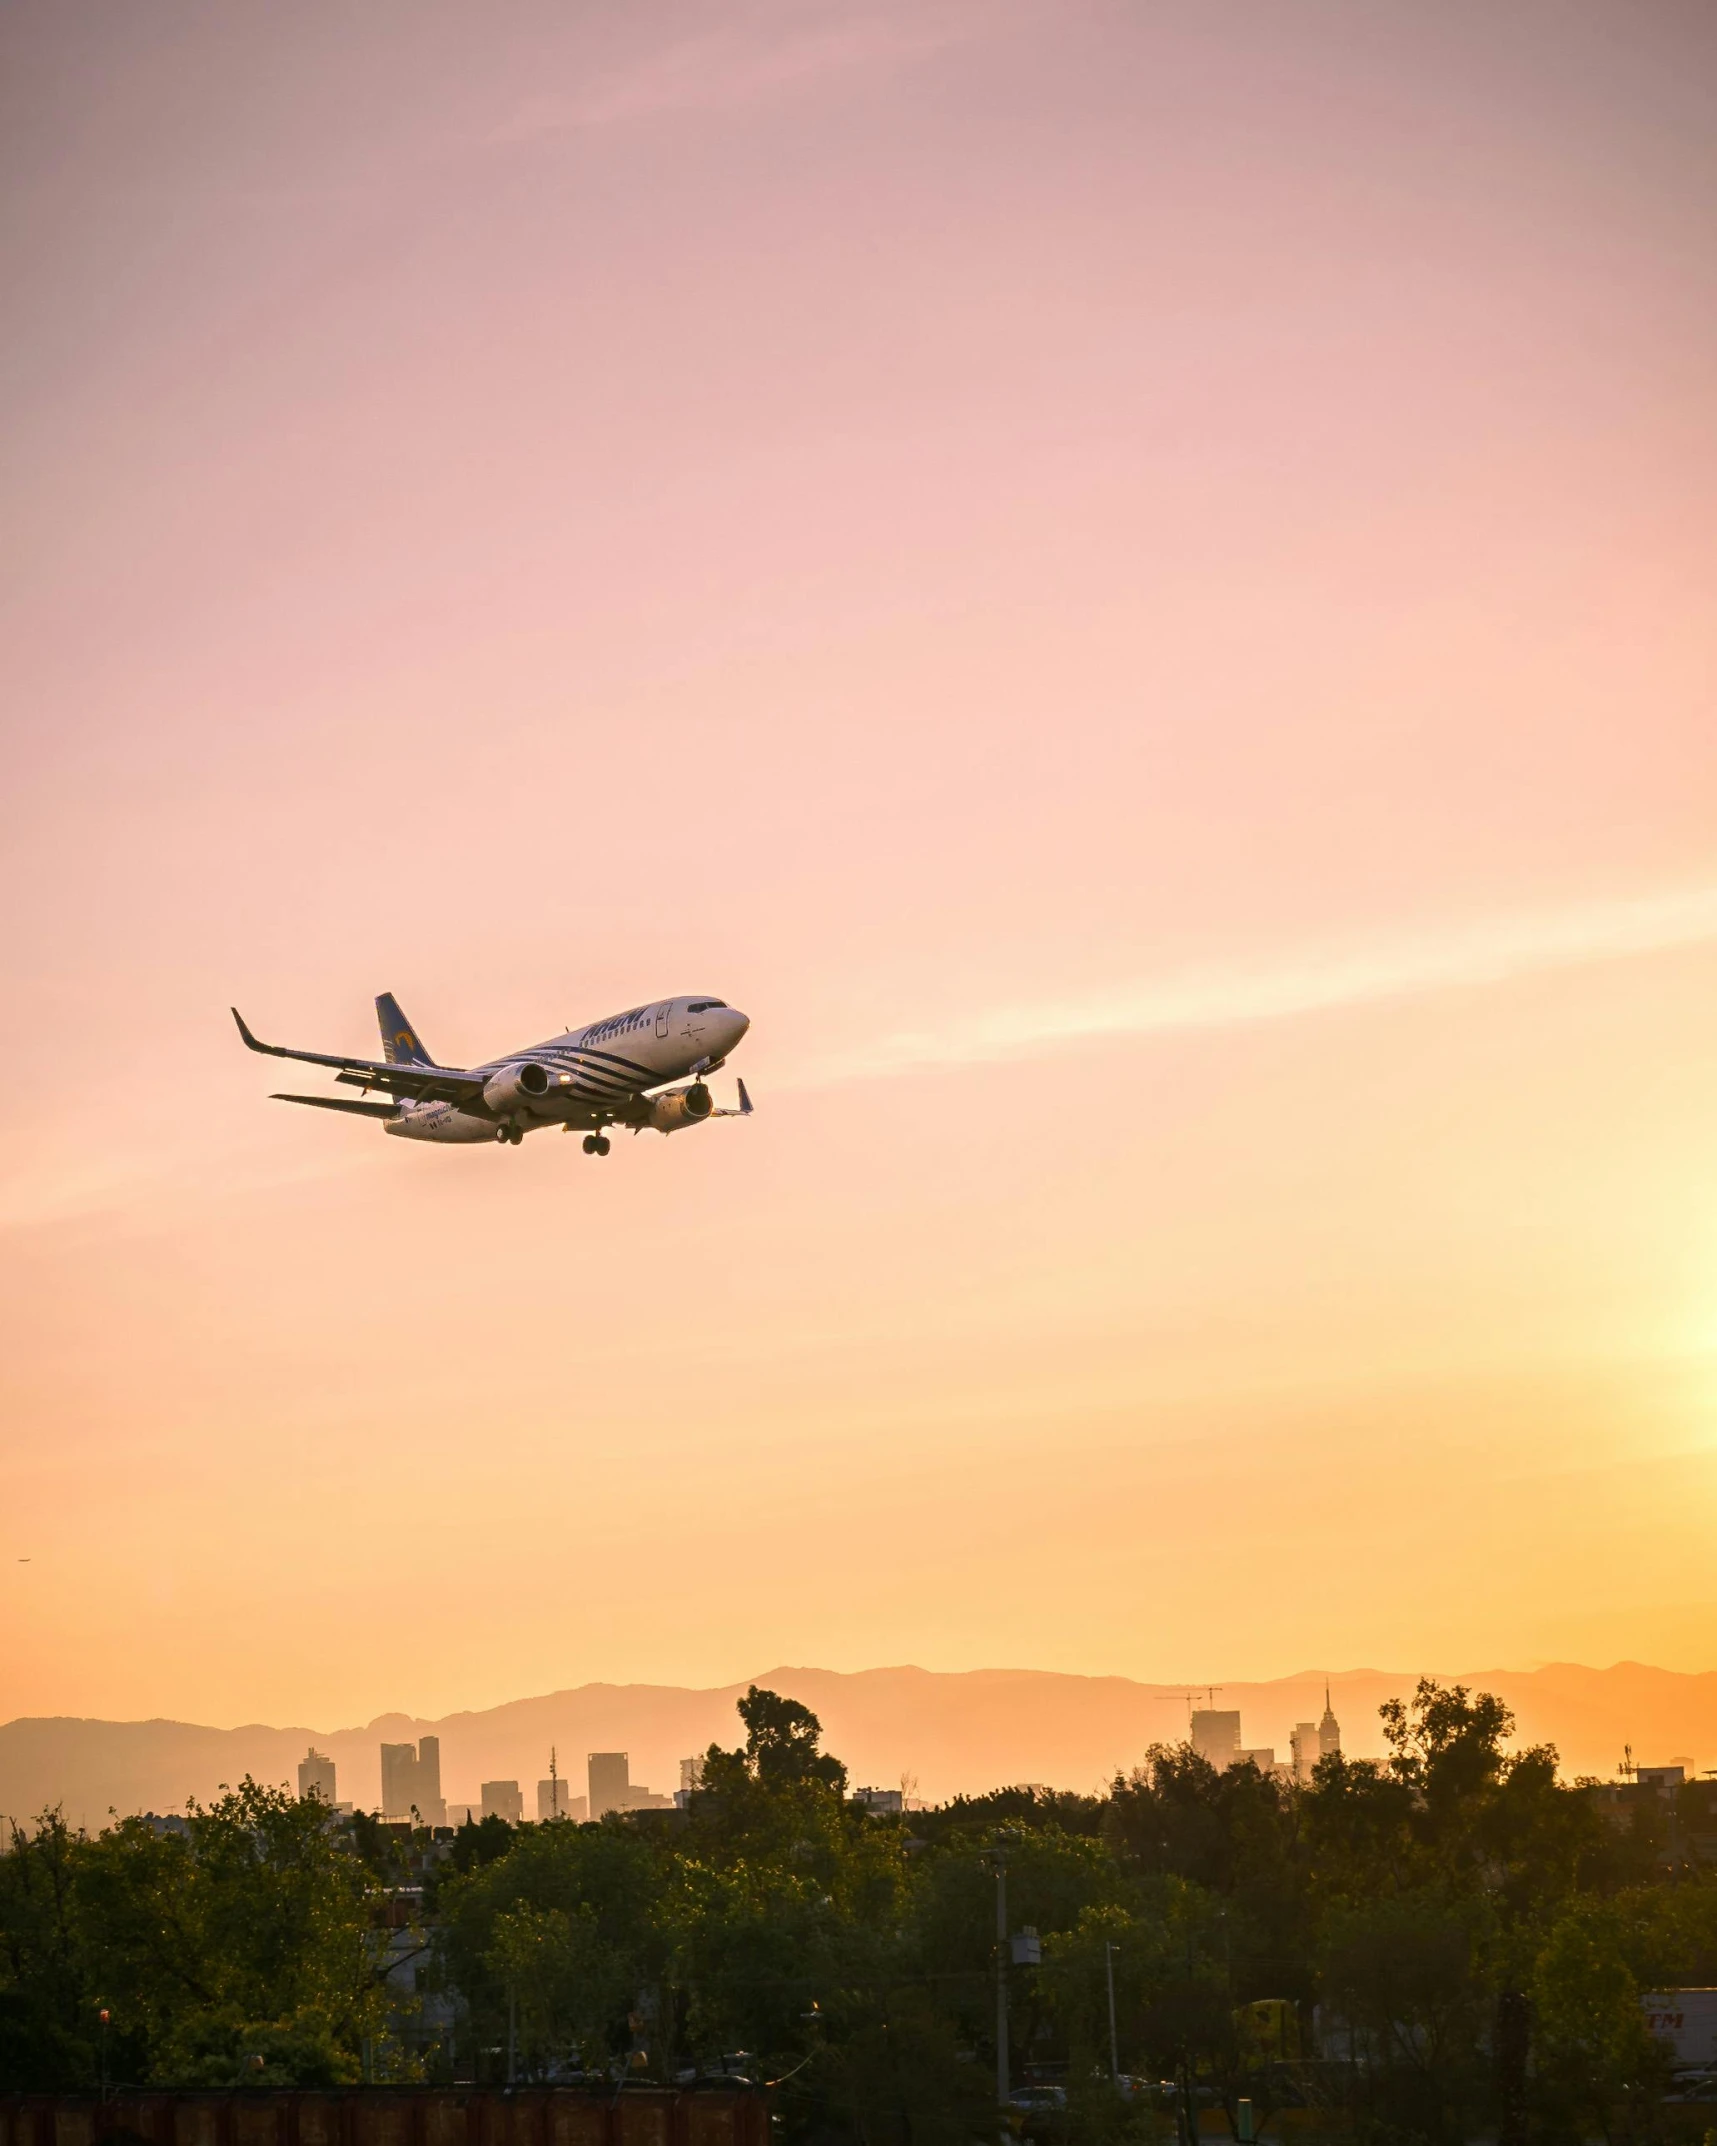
[(737, 1024)]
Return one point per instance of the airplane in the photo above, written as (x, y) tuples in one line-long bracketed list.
[(612, 1073)]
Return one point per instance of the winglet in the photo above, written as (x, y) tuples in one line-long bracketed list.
[(744, 1101), (250, 1041)]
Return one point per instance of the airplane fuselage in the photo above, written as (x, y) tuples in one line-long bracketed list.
[(595, 1075)]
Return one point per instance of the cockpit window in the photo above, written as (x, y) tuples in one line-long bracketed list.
[(705, 1005)]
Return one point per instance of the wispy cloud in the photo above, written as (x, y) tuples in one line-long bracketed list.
[(747, 58), (1488, 952)]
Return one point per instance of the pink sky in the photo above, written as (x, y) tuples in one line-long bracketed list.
[(1133, 583)]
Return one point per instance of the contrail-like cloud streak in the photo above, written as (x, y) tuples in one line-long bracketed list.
[(1489, 952)]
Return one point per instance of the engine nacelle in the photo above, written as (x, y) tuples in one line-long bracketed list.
[(515, 1089), (681, 1107)]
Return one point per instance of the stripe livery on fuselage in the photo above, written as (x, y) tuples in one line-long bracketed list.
[(596, 1075)]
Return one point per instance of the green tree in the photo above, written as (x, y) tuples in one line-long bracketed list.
[(563, 1985), (254, 1935), (559, 1933), (48, 2024), (1414, 1977), (1597, 2065)]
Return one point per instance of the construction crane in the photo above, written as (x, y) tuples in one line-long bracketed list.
[(1206, 1692)]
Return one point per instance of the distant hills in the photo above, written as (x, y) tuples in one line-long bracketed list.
[(947, 1732)]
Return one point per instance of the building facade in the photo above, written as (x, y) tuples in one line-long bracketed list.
[(501, 1799), (1214, 1733), (610, 1779), (411, 1782), (316, 1776)]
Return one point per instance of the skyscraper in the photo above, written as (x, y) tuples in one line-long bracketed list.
[(1214, 1734), (610, 1782), (316, 1775), (411, 1782), (501, 1799), (1303, 1743), (1329, 1730), (431, 1804)]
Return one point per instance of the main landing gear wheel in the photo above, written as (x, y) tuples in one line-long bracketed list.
[(513, 1133), (596, 1143)]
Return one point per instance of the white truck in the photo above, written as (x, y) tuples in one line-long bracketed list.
[(1686, 2022)]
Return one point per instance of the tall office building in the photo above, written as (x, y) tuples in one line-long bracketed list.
[(411, 1782), (610, 1778), (1215, 1735), (1304, 1745), (399, 1779), (316, 1775), (1329, 1731), (501, 1799), (431, 1803)]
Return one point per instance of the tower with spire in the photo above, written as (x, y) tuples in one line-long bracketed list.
[(1329, 1729)]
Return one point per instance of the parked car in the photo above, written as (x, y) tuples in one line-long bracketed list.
[(1036, 2110)]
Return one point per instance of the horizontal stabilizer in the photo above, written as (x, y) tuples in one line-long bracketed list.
[(339, 1102), (744, 1110)]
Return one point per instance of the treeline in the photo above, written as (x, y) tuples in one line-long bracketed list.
[(1443, 1941)]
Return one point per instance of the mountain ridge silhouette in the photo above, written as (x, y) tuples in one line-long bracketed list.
[(945, 1731)]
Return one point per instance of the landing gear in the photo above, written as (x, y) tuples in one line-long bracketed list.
[(513, 1133), (596, 1143)]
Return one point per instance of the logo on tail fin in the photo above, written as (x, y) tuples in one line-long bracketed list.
[(401, 1044)]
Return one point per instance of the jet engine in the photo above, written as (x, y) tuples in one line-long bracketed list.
[(514, 1089), (681, 1107)]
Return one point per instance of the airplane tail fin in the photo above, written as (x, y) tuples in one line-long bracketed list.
[(401, 1043)]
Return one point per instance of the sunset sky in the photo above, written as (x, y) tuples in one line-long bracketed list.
[(1133, 582)]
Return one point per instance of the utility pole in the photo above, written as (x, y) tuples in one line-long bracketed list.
[(553, 1786), (1001, 1863), (1114, 2043)]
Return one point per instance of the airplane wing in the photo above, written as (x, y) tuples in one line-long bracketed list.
[(421, 1083)]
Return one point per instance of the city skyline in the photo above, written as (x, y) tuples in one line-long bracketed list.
[(922, 1735)]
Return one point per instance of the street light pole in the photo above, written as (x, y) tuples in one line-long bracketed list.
[(1002, 1991), (1114, 2042)]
